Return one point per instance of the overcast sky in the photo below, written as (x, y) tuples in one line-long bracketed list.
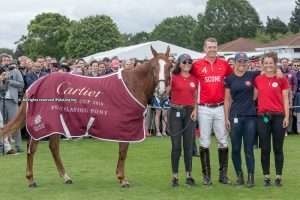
[(130, 15)]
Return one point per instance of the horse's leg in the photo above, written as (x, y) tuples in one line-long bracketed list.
[(120, 171), (31, 149), (54, 147)]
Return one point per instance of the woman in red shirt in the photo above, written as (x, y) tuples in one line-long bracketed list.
[(182, 116), (273, 116)]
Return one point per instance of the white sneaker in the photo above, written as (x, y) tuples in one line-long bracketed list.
[(164, 133), (158, 134)]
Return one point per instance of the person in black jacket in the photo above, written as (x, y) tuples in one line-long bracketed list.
[(35, 73)]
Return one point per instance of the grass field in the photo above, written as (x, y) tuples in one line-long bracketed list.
[(91, 164)]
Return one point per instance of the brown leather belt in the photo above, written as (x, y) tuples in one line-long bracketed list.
[(212, 105), (181, 106)]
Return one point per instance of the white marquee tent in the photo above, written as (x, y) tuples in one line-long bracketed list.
[(142, 51)]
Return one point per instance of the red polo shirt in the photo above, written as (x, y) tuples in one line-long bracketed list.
[(211, 78), (270, 97), (183, 90)]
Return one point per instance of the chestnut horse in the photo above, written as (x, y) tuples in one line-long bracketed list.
[(140, 81)]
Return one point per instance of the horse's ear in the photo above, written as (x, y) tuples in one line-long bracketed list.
[(154, 52), (168, 51)]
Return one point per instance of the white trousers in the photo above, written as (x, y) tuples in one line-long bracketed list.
[(212, 119)]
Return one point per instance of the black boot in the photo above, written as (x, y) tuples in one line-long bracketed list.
[(190, 181), (195, 150), (223, 162), (205, 163), (240, 178), (250, 181)]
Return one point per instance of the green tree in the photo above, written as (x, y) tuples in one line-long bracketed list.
[(176, 30), (126, 38), (227, 20), (6, 51), (47, 34), (132, 39), (199, 35), (294, 23), (140, 37), (19, 51), (263, 37), (91, 35), (275, 25)]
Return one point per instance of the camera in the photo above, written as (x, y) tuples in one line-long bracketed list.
[(2, 69), (4, 84), (11, 67)]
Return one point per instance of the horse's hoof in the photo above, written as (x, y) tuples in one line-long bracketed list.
[(69, 182), (125, 184), (32, 185)]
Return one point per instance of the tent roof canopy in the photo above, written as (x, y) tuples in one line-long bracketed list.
[(142, 51)]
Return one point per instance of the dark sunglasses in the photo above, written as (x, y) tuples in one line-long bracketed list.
[(187, 62)]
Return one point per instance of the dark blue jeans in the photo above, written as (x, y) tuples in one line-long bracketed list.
[(244, 129)]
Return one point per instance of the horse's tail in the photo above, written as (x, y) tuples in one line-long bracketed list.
[(18, 122)]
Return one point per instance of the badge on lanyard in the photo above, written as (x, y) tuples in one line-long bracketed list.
[(177, 114), (235, 120), (266, 119)]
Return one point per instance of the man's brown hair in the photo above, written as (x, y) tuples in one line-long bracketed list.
[(210, 39)]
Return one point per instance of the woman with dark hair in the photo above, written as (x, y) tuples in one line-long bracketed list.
[(240, 115), (93, 69), (182, 117), (273, 116), (79, 67)]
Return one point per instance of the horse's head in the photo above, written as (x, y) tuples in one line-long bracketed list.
[(161, 70)]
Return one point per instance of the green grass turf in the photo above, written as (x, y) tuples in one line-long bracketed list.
[(91, 164)]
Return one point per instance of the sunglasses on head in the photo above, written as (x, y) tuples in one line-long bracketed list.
[(242, 61), (187, 62)]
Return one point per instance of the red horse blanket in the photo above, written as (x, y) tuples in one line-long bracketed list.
[(76, 106)]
